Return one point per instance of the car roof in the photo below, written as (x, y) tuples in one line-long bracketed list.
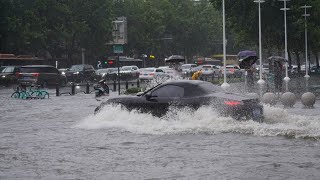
[(37, 66)]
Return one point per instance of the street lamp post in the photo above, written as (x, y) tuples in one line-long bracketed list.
[(225, 85), (261, 81), (284, 9), (305, 7)]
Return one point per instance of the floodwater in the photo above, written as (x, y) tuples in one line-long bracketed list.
[(60, 138)]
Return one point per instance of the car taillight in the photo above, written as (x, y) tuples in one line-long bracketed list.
[(232, 103), (35, 74), (231, 70), (17, 74), (151, 74)]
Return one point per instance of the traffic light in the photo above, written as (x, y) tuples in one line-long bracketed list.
[(151, 56), (110, 62)]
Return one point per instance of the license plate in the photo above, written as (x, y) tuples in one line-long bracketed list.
[(145, 74), (206, 69), (26, 78), (256, 113)]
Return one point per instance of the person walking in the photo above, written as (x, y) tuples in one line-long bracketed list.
[(196, 75), (278, 77), (250, 77)]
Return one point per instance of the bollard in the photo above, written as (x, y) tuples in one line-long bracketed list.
[(73, 89), (138, 83), (87, 88), (127, 84), (114, 86), (57, 90), (308, 99), (288, 99)]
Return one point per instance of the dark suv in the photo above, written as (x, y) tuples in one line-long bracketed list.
[(8, 74), (42, 75), (80, 73)]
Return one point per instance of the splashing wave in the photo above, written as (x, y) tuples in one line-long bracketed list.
[(278, 122)]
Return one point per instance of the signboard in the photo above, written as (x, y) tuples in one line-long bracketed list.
[(117, 48), (119, 32)]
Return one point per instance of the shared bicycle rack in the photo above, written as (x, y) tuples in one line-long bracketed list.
[(29, 92)]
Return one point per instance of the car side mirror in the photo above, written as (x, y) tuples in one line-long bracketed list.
[(139, 93)]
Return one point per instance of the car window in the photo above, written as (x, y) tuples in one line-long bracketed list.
[(159, 70), (52, 70), (169, 91), (8, 70), (206, 66), (90, 67), (2, 69), (76, 68)]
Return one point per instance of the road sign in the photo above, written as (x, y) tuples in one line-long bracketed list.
[(117, 48)]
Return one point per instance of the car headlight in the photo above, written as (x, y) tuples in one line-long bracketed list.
[(3, 76), (63, 73), (76, 73)]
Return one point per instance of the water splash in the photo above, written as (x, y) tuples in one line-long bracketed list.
[(278, 122)]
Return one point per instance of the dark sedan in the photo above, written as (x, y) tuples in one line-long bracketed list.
[(8, 74), (193, 94)]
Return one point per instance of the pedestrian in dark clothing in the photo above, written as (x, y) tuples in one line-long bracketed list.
[(250, 77), (278, 70)]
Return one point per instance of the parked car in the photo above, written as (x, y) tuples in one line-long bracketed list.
[(151, 73), (80, 73), (107, 73), (41, 75), (233, 71), (192, 94), (63, 70), (315, 70), (186, 69), (210, 70), (8, 74), (131, 70), (170, 71)]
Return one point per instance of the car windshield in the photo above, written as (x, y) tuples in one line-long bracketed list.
[(1, 69), (207, 67), (186, 66), (32, 69), (76, 68), (126, 68), (148, 70)]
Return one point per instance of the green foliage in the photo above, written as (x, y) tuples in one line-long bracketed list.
[(158, 27), (132, 90)]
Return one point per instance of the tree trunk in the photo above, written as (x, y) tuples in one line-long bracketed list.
[(289, 59), (298, 60), (317, 58)]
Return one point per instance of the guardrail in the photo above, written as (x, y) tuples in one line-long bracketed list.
[(87, 88)]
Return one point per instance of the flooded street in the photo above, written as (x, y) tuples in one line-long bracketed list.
[(60, 138)]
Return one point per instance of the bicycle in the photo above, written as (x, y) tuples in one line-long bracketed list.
[(24, 92)]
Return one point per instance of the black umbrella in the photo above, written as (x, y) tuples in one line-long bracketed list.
[(277, 58), (247, 62), (175, 58)]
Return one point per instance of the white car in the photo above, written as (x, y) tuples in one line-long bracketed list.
[(133, 70), (210, 70), (186, 68), (151, 73), (170, 71)]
